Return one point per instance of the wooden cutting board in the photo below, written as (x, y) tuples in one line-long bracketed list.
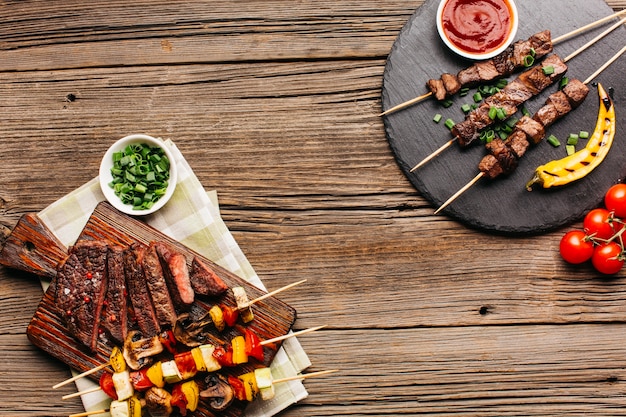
[(503, 205), (46, 330)]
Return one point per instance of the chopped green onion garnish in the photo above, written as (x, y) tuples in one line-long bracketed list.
[(564, 81), (500, 113), (570, 149), (529, 60), (501, 83), (548, 70), (449, 123), (447, 103), (583, 134), (477, 97), (466, 108), (525, 111), (140, 175), (437, 118), (552, 140), (493, 112), (463, 92), (572, 139)]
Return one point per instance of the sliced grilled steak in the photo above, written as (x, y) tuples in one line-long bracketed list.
[(157, 287), (176, 274), (138, 291), (204, 280), (115, 312), (81, 287)]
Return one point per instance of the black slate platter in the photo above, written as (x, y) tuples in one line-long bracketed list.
[(503, 205)]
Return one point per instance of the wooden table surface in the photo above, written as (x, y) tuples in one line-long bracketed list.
[(275, 105)]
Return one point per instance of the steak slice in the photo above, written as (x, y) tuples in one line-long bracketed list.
[(138, 294), (157, 287), (204, 280), (176, 273), (115, 312), (80, 289)]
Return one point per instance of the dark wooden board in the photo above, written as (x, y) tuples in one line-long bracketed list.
[(46, 330), (503, 205)]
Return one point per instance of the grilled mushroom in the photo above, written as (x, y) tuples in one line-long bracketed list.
[(218, 391), (191, 332), (158, 402), (139, 350)]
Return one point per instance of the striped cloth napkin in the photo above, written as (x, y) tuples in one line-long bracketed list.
[(192, 217)]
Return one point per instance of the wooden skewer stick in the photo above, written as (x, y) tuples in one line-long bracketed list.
[(481, 174), (555, 41), (84, 374), (287, 336), (269, 294), (89, 413), (80, 393), (568, 58), (303, 376)]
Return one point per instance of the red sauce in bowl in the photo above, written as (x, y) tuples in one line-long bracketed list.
[(477, 26)]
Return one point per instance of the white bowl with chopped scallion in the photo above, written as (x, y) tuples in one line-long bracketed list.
[(138, 174)]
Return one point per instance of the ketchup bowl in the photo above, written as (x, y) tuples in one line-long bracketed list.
[(477, 29)]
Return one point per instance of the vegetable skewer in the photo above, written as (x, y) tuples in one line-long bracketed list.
[(568, 58), (555, 41), (484, 173)]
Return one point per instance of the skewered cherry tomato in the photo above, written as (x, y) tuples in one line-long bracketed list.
[(615, 200), (597, 223), (576, 247), (608, 258), (140, 380)]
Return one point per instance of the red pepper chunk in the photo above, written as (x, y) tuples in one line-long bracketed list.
[(168, 340), (107, 386), (239, 390), (230, 315), (186, 364), (140, 380), (253, 345), (179, 400), (224, 356)]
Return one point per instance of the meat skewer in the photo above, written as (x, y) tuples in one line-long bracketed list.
[(467, 137), (504, 154), (500, 66)]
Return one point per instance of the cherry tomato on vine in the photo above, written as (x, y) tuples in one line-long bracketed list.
[(615, 200), (597, 224), (576, 247), (607, 258)]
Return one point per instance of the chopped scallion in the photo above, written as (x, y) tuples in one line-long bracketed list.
[(437, 118), (572, 139), (570, 149), (583, 134), (449, 123), (553, 140), (477, 97), (549, 70)]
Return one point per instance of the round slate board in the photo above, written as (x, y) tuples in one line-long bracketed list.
[(503, 205)]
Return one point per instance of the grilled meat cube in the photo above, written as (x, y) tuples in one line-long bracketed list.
[(517, 91), (450, 83), (518, 143), (490, 167), (504, 62), (138, 291), (537, 80), (204, 280), (546, 115), (540, 43), (465, 133), (157, 287), (469, 76), (487, 70), (176, 274), (80, 289), (533, 129), (560, 102), (576, 92), (115, 313), (437, 88)]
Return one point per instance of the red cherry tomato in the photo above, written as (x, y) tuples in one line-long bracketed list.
[(106, 384), (607, 258), (576, 247), (615, 200), (597, 224)]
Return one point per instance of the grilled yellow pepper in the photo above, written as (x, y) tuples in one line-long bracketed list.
[(576, 166)]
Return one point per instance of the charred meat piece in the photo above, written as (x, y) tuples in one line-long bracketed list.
[(560, 102), (115, 313), (533, 129), (157, 287), (176, 273), (546, 115), (450, 83), (518, 143), (204, 280), (538, 78), (489, 167), (540, 44), (437, 88), (576, 92), (138, 291), (80, 289)]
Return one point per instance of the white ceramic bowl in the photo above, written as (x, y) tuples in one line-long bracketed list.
[(106, 177), (478, 56)]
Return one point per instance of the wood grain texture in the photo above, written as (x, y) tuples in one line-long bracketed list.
[(274, 105)]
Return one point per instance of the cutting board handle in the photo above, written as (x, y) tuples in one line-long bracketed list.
[(33, 248)]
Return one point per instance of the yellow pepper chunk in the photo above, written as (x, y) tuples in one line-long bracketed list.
[(192, 394), (217, 316), (239, 350), (116, 359), (155, 375), (249, 383)]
